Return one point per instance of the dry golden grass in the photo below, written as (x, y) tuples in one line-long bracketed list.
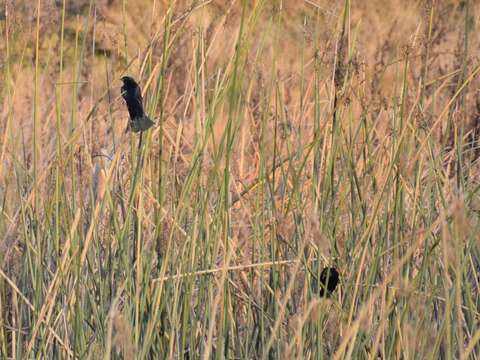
[(288, 134)]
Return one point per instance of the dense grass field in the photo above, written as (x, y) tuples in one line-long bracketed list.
[(289, 136)]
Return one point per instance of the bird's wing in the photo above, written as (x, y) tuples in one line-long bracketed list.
[(138, 95)]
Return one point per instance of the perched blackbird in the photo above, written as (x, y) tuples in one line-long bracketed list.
[(132, 95), (329, 278)]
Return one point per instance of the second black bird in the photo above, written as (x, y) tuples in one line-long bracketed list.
[(329, 278), (132, 95)]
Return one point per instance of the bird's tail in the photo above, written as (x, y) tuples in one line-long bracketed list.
[(140, 123)]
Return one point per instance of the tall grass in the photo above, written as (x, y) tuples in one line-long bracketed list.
[(274, 155)]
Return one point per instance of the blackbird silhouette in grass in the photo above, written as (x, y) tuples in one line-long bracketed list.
[(329, 278), (132, 95)]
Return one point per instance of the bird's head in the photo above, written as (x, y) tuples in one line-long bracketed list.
[(129, 82)]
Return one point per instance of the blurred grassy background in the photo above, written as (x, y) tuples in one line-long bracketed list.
[(290, 135)]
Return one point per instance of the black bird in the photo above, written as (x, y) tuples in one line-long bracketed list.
[(329, 278), (132, 95)]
